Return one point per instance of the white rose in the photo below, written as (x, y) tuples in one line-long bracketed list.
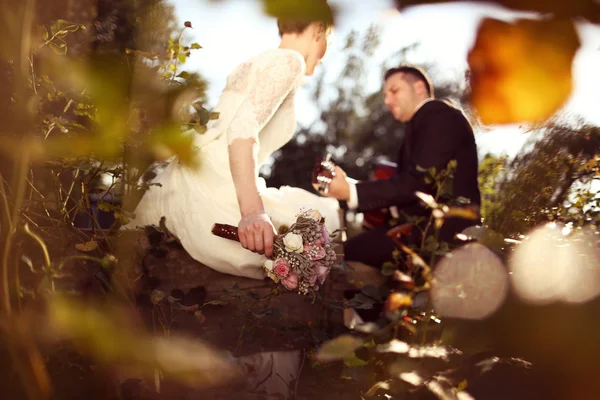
[(273, 277), (293, 242), (314, 215), (268, 264)]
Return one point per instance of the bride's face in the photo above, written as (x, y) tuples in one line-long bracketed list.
[(318, 48)]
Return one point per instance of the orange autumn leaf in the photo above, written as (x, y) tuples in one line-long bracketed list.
[(579, 9), (521, 71), (397, 300)]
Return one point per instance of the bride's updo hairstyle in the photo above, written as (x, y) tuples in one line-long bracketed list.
[(299, 14)]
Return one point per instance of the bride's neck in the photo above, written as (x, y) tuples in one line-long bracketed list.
[(295, 42)]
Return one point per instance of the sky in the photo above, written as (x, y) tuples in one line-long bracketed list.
[(231, 31)]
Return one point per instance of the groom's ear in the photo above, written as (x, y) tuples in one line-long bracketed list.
[(420, 88)]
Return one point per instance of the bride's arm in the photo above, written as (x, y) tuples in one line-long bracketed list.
[(255, 229), (271, 85)]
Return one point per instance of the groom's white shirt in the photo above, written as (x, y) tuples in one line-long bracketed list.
[(353, 200)]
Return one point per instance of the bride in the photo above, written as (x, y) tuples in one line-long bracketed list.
[(256, 118)]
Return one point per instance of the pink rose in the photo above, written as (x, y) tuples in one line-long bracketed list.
[(324, 234), (314, 252), (291, 282), (281, 268), (321, 272), (312, 279), (324, 239)]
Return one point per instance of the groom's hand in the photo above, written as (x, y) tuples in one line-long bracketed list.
[(256, 233), (339, 187)]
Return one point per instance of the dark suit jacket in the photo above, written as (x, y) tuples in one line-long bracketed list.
[(436, 134)]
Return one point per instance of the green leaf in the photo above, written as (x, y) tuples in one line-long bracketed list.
[(88, 246), (195, 46), (59, 46), (184, 75), (353, 361), (338, 348), (213, 115), (61, 28), (204, 116), (64, 25), (361, 302), (104, 206), (201, 129), (431, 244), (388, 268), (157, 296), (215, 303), (372, 291), (459, 212), (182, 58)]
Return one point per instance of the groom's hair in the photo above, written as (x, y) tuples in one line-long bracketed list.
[(298, 15), (413, 74)]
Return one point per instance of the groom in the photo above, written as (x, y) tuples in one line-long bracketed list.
[(435, 134)]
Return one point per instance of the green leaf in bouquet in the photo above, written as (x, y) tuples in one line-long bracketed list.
[(338, 348), (195, 46)]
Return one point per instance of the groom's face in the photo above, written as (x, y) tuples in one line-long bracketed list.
[(400, 97)]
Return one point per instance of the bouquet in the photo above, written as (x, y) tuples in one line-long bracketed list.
[(303, 255)]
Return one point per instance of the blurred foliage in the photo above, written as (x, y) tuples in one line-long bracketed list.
[(551, 179), (521, 70), (111, 335), (529, 79), (406, 343), (93, 104), (92, 93), (586, 9)]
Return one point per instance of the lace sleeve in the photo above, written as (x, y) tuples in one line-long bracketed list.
[(272, 84)]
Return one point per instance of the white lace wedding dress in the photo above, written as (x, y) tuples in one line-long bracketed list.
[(257, 102)]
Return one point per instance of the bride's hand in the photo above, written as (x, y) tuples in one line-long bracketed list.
[(256, 233)]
